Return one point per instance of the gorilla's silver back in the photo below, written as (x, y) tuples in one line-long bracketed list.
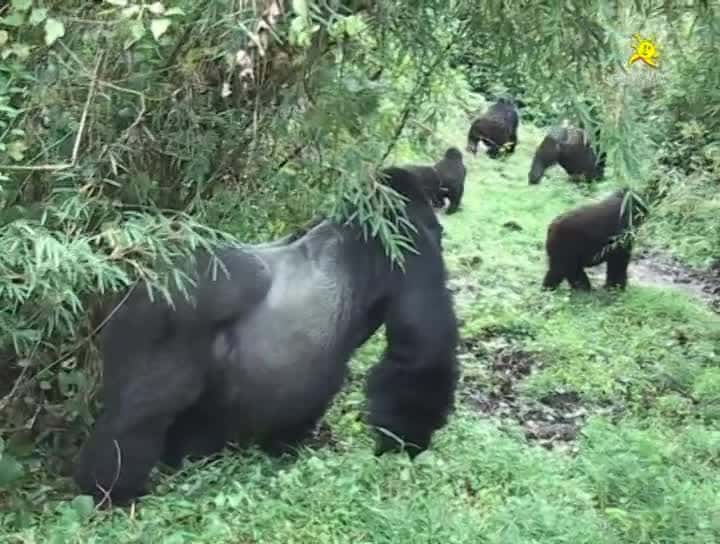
[(284, 346)]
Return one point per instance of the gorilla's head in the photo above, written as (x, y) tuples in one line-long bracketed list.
[(454, 154), (419, 210)]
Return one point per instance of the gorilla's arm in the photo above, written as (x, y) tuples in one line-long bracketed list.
[(411, 391)]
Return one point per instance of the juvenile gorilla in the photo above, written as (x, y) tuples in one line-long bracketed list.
[(584, 237), (570, 148), (496, 128), (452, 177), (446, 178), (259, 356)]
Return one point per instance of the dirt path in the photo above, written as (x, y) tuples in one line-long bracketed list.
[(658, 270)]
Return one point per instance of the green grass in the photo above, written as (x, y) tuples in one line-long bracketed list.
[(644, 470)]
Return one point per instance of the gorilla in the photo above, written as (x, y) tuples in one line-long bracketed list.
[(452, 177), (446, 178), (260, 349), (570, 148), (430, 181), (590, 235), (496, 128)]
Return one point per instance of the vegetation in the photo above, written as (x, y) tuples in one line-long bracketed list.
[(131, 132)]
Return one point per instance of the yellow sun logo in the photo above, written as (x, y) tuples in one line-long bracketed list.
[(644, 49)]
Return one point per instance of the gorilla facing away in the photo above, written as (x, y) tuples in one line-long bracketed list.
[(496, 128), (584, 237), (259, 356), (452, 177), (570, 148)]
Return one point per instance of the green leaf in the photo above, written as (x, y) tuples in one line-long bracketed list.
[(54, 30), (4, 37), (137, 30), (158, 27), (16, 150), (15, 19), (21, 5), (10, 470), (130, 11), (156, 8), (300, 7), (37, 16), (174, 11), (120, 3), (83, 505)]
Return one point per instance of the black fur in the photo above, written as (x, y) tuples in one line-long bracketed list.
[(452, 177), (496, 128), (430, 181), (571, 149), (584, 237), (259, 356)]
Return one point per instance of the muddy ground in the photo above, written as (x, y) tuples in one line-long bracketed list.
[(659, 270), (552, 421)]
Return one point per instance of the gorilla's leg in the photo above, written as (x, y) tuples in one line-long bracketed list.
[(512, 144), (554, 277), (455, 196), (617, 264), (197, 432), (579, 279), (129, 437), (411, 390), (285, 440)]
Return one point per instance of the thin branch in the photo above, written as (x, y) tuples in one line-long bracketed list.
[(78, 138)]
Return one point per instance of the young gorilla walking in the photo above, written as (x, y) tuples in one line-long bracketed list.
[(260, 354), (452, 177), (586, 236)]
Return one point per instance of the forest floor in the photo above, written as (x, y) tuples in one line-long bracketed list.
[(589, 418)]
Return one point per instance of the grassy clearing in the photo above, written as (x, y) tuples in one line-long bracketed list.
[(640, 370)]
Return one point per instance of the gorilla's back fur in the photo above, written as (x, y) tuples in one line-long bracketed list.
[(571, 149), (495, 128)]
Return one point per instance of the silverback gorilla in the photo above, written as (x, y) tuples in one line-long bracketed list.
[(584, 237), (495, 128), (259, 356), (452, 177), (570, 148)]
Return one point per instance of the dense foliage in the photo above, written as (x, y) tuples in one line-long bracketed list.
[(132, 132)]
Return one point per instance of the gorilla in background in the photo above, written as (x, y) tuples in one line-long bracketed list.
[(446, 178), (571, 149), (452, 178), (496, 128), (590, 235), (258, 356)]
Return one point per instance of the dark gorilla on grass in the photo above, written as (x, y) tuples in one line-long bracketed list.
[(496, 129), (259, 355), (572, 150), (445, 179), (452, 178), (590, 235)]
